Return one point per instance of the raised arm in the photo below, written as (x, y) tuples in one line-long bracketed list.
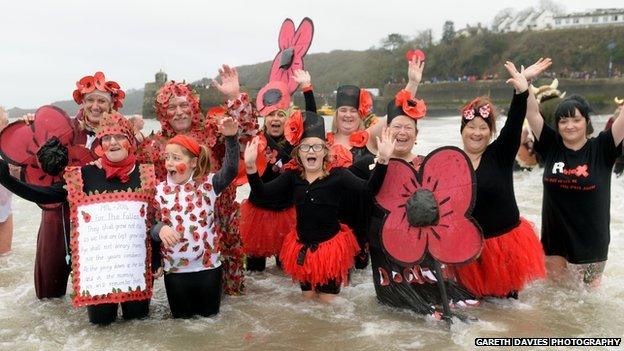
[(224, 176), (617, 129), (305, 83), (280, 185), (37, 194), (533, 116), (373, 184)]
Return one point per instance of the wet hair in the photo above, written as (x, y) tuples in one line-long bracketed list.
[(567, 108), (53, 156), (203, 161), (475, 104)]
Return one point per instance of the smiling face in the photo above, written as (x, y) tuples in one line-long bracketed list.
[(94, 105), (573, 129), (116, 147), (274, 123), (179, 164), (312, 152), (179, 114), (476, 135), (404, 131), (347, 120)]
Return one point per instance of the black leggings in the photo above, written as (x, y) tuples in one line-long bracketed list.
[(106, 313), (258, 263), (195, 293), (332, 287)]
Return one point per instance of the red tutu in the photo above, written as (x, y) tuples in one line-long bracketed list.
[(507, 263), (263, 231), (331, 260)]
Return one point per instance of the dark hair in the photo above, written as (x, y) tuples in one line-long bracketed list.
[(53, 156), (568, 107)]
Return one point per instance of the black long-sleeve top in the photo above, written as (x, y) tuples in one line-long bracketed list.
[(279, 202), (317, 203), (93, 179), (495, 208)]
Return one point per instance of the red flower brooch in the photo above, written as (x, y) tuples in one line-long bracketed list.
[(88, 84), (293, 130), (414, 108), (293, 46), (429, 211), (470, 111)]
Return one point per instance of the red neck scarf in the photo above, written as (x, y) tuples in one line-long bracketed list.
[(119, 169)]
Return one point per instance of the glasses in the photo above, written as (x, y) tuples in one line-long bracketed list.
[(118, 137), (314, 147)]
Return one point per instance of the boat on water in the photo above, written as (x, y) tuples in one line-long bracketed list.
[(326, 110)]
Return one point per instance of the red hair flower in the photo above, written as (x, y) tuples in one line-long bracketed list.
[(340, 156), (293, 46), (413, 108), (293, 131), (98, 81), (366, 103), (429, 211), (359, 138)]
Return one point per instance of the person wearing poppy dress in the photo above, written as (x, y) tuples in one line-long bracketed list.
[(179, 112), (319, 252), (120, 172), (266, 221), (185, 218), (96, 96), (401, 281), (512, 255)]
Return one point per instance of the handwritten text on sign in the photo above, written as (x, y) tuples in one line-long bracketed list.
[(112, 247)]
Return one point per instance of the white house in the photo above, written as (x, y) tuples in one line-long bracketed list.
[(595, 18)]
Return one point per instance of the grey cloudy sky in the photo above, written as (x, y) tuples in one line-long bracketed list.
[(46, 46)]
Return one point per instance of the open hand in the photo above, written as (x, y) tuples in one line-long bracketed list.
[(415, 70), (28, 118), (229, 85), (385, 146), (251, 154), (534, 70), (518, 80), (227, 126), (303, 78)]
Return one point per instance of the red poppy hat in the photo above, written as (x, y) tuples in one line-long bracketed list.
[(88, 84), (293, 46), (20, 142), (164, 95), (273, 96), (115, 123), (404, 104), (430, 211)]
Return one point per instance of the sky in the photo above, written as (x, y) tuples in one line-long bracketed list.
[(46, 46)]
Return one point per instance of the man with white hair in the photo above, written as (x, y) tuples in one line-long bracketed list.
[(6, 216)]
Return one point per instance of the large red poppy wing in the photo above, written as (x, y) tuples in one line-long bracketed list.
[(52, 121), (398, 185), (15, 143), (403, 243), (276, 73), (303, 37), (448, 173), (79, 155), (460, 241), (286, 34)]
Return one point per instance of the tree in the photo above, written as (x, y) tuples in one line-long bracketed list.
[(552, 6), (448, 31), (423, 39), (393, 41)]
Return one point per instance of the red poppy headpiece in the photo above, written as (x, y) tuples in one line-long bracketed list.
[(365, 105), (404, 104), (88, 84), (115, 123), (173, 89), (430, 210), (304, 125), (293, 46), (186, 142), (273, 96), (479, 107)]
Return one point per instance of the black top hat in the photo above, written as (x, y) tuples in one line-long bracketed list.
[(348, 95), (313, 125), (393, 111)]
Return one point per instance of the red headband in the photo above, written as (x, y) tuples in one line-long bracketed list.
[(187, 142)]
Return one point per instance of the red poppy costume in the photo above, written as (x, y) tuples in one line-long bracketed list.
[(512, 255), (320, 250), (19, 145), (293, 45), (204, 130)]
